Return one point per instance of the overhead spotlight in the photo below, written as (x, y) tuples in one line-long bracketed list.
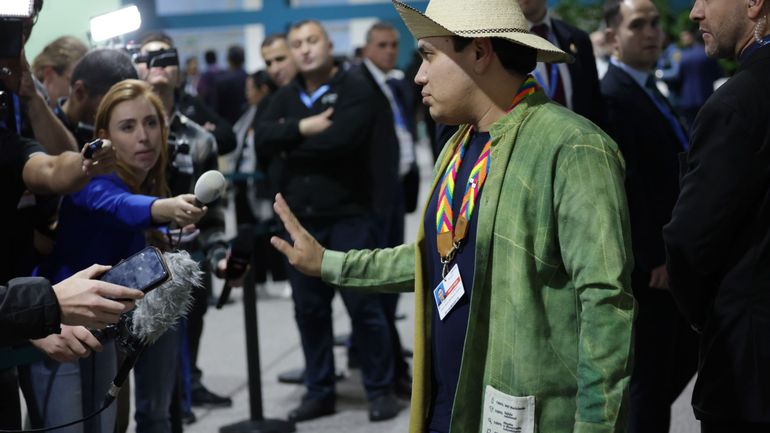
[(116, 23), (16, 8)]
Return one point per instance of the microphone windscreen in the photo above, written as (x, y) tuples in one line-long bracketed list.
[(209, 186), (162, 307)]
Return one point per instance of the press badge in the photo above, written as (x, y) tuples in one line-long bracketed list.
[(505, 413), (448, 292)]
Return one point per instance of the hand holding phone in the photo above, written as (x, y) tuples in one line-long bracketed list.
[(143, 271)]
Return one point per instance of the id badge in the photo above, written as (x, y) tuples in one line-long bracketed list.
[(505, 413), (448, 292)]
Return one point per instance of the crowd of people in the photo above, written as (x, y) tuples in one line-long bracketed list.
[(607, 239)]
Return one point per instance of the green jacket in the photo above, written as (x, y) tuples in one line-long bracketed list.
[(551, 308)]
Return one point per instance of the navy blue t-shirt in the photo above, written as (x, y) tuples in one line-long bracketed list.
[(448, 335)]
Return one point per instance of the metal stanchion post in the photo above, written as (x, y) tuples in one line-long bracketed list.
[(256, 423)]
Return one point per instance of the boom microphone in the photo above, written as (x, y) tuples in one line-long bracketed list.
[(159, 310), (209, 187)]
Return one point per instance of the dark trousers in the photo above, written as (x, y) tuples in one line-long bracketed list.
[(10, 408), (313, 312), (733, 426), (665, 359)]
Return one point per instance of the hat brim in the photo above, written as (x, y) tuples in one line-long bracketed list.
[(422, 26)]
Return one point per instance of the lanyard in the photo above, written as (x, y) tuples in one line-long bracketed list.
[(449, 235), (309, 100)]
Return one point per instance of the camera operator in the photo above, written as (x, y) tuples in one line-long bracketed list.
[(192, 151)]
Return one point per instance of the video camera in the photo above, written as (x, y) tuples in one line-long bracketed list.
[(13, 14), (158, 59)]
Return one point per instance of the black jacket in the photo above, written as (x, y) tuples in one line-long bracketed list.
[(28, 309), (586, 95), (650, 148), (198, 112), (718, 245), (385, 154), (326, 175)]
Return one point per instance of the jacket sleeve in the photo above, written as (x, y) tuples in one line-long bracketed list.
[(116, 205), (28, 309), (381, 270), (273, 132), (718, 191), (352, 118), (593, 227)]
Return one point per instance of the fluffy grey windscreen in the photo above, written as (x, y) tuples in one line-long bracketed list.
[(162, 307)]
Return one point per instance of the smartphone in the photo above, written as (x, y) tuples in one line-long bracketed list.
[(143, 271)]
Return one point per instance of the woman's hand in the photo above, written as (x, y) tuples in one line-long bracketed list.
[(180, 209)]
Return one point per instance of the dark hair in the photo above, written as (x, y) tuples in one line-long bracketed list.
[(156, 36), (101, 68), (210, 56), (261, 78), (612, 16), (301, 23), (515, 58), (379, 25), (235, 55), (272, 38)]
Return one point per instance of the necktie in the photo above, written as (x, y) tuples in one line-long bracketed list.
[(398, 96), (557, 94), (668, 111)]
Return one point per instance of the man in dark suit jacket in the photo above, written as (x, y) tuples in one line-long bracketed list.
[(647, 130), (718, 240), (576, 84), (393, 162)]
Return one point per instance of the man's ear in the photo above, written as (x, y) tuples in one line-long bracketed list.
[(483, 52), (756, 9), (48, 74), (611, 37), (78, 91)]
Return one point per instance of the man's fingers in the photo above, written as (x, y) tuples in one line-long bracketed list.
[(85, 336), (109, 290), (92, 271), (290, 221), (282, 246)]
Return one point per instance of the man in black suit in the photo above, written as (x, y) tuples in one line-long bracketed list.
[(650, 136), (718, 240), (393, 162), (574, 85)]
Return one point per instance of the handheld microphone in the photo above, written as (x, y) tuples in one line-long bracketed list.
[(241, 248), (209, 187), (159, 310)]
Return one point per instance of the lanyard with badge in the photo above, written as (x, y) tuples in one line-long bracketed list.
[(449, 235)]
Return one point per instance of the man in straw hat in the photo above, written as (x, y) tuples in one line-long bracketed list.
[(521, 272)]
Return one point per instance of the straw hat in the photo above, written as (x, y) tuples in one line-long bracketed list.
[(478, 19)]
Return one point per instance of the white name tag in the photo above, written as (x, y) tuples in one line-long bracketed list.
[(448, 292), (505, 413)]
